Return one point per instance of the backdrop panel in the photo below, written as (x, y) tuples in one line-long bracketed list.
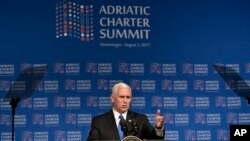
[(165, 50)]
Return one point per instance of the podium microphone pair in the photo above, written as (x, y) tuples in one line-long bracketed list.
[(130, 128)]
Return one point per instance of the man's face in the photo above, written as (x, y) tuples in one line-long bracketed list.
[(121, 100)]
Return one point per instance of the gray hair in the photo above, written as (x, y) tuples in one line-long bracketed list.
[(120, 85)]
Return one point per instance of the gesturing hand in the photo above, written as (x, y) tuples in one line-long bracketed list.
[(159, 120)]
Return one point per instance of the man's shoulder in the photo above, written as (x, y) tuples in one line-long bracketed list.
[(136, 114), (109, 114), (102, 115)]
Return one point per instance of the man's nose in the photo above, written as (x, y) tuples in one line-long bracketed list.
[(125, 99)]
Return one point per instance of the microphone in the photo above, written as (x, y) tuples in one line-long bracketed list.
[(135, 127), (124, 127)]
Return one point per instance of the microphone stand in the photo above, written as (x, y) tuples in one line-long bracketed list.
[(13, 102), (124, 127)]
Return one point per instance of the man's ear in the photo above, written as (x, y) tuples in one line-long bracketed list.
[(112, 98)]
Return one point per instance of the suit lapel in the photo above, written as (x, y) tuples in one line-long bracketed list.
[(113, 127), (129, 117)]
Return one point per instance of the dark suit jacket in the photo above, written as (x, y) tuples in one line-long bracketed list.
[(104, 127)]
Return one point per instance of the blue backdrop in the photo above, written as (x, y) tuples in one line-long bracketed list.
[(164, 50)]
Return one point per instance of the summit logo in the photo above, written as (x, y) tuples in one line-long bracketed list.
[(74, 20)]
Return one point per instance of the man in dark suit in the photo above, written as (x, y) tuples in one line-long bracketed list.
[(105, 126)]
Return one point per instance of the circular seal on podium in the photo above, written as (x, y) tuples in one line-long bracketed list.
[(131, 138)]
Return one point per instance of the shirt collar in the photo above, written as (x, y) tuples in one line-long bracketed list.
[(117, 114)]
